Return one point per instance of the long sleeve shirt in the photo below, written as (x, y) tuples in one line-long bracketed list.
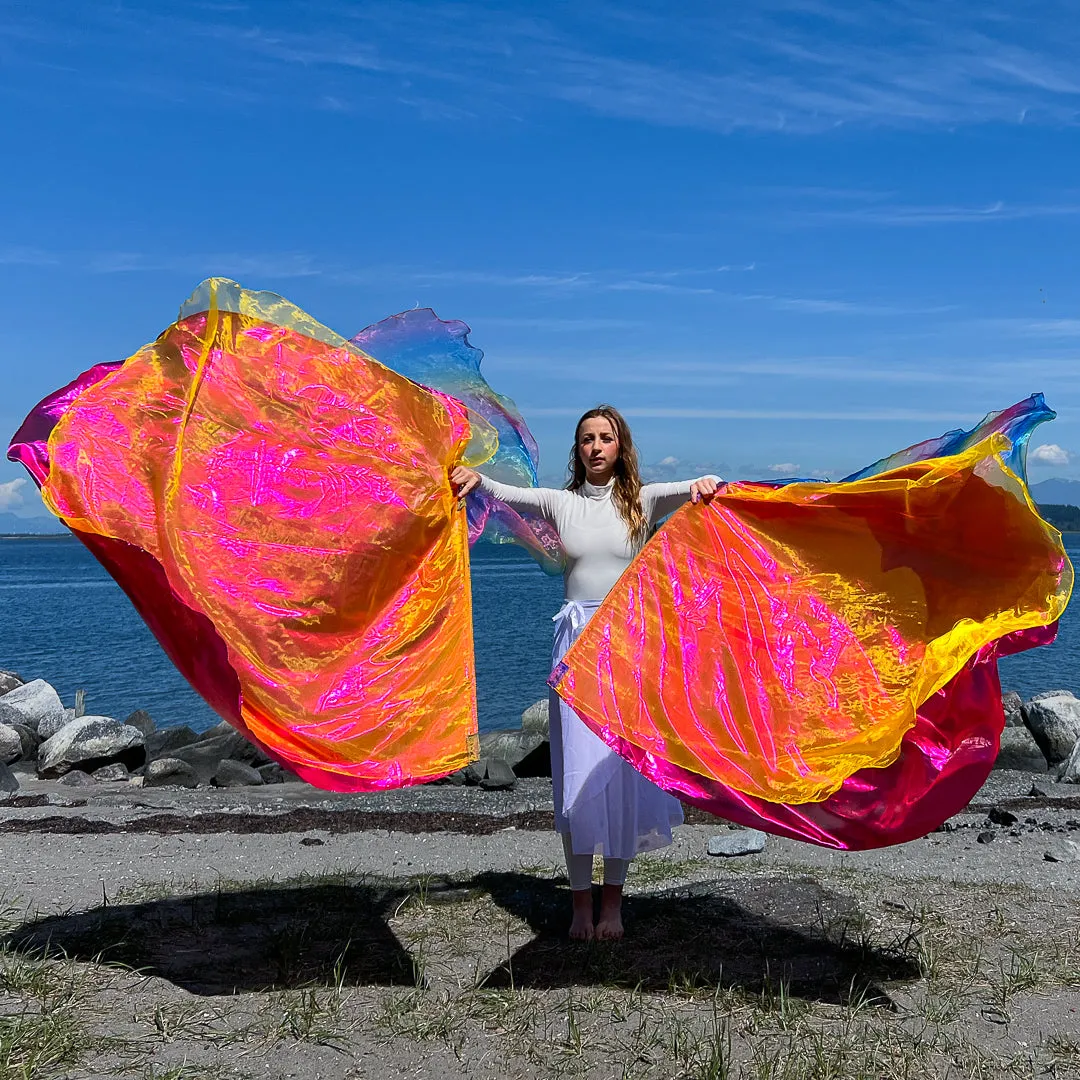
[(593, 532)]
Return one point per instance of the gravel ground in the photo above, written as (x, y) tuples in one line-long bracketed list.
[(284, 931)]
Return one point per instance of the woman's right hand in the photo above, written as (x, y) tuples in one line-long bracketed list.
[(463, 480)]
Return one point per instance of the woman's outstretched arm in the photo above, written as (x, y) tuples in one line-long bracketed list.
[(542, 501), (659, 500)]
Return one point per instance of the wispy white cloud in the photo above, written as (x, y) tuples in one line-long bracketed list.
[(939, 215), (662, 281), (785, 468), (27, 256), (272, 265), (620, 369), (811, 305), (632, 285), (194, 264), (1032, 328), (856, 369), (218, 264), (771, 65), (861, 415), (485, 277), (556, 324)]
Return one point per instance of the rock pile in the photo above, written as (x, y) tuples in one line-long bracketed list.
[(1047, 741), (509, 754), (36, 729), (1041, 735)]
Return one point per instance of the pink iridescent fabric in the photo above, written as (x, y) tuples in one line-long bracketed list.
[(818, 660), (277, 506)]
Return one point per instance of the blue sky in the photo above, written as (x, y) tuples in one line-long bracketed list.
[(782, 237)]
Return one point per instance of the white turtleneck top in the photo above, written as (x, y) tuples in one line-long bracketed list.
[(593, 532)]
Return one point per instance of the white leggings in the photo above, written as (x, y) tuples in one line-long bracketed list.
[(579, 868)]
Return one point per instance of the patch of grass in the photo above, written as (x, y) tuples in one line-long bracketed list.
[(423, 1016), (1016, 973), (646, 871), (703, 1054), (174, 1021), (35, 1043), (1065, 1045), (11, 911)]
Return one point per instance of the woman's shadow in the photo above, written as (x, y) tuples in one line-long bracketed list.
[(234, 942), (765, 936)]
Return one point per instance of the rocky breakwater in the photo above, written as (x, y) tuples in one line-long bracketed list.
[(38, 733), (506, 755)]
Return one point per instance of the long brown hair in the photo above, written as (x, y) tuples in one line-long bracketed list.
[(627, 489)]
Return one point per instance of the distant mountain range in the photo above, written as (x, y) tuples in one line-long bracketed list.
[(10, 525), (1056, 492)]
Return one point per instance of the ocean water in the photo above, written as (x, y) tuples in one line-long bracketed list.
[(62, 618)]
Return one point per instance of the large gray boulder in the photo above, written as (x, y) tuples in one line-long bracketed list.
[(90, 742), (489, 773), (527, 753), (454, 779), (1012, 705), (32, 704), (9, 782), (534, 719), (115, 773), (162, 742), (1064, 851), (170, 772), (272, 773), (30, 741), (1053, 718), (9, 681), (1020, 751), (222, 727), (50, 726), (77, 778), (1069, 771), (11, 745), (475, 772), (142, 720), (498, 776), (205, 754), (235, 774)]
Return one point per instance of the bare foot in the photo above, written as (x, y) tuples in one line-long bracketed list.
[(581, 927), (609, 927)]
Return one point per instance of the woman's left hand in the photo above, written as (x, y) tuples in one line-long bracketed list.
[(703, 490)]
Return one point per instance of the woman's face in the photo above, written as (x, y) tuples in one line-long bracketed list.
[(598, 448)]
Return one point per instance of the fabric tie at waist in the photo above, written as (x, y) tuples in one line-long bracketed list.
[(573, 615)]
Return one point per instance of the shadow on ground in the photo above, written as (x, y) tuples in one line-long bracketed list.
[(239, 941), (764, 936)]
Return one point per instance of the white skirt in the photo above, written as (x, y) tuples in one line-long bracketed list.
[(605, 805)]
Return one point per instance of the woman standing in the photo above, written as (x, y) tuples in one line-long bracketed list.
[(603, 517)]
